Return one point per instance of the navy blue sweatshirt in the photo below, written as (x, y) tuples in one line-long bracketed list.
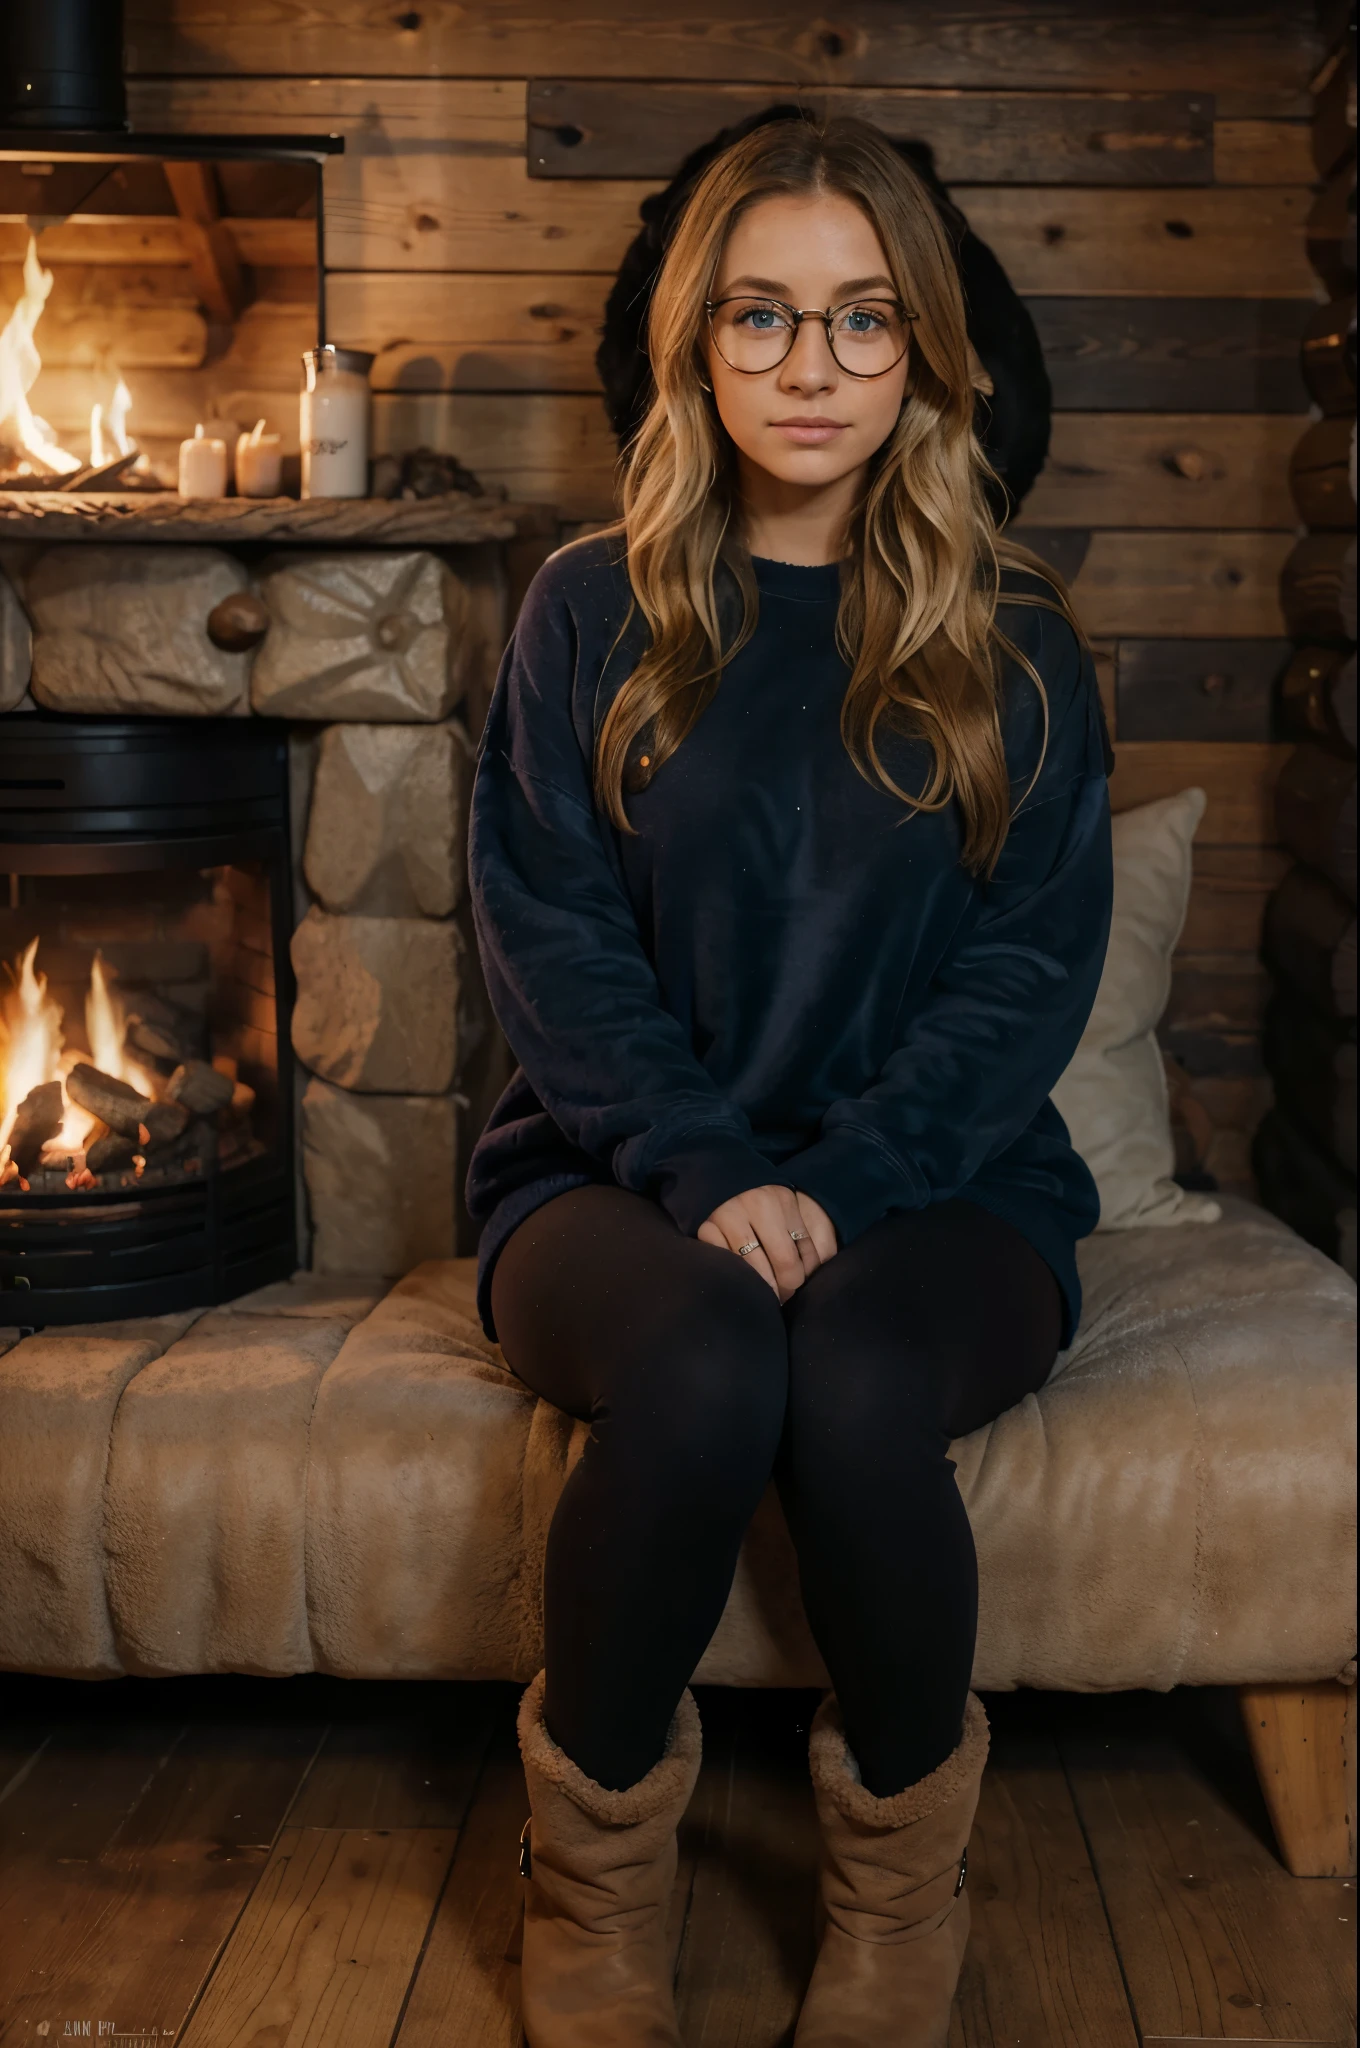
[(785, 976)]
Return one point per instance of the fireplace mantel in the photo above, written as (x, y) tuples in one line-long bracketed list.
[(452, 520)]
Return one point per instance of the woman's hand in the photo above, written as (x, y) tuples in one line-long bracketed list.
[(770, 1216)]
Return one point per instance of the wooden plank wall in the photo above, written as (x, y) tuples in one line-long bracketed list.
[(1143, 173)]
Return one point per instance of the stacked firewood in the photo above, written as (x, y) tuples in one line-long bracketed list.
[(202, 1106), (1305, 1152), (38, 1118), (133, 1128)]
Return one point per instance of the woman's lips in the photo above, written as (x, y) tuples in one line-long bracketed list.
[(808, 433)]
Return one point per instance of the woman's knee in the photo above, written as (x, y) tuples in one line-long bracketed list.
[(707, 1383), (872, 1393)]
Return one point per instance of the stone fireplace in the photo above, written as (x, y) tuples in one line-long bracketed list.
[(146, 1112), (241, 1023)]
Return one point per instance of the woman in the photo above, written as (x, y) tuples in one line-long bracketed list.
[(791, 867)]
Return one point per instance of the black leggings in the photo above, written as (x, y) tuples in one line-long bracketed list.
[(699, 1386)]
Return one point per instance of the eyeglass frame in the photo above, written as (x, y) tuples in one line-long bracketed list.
[(798, 315)]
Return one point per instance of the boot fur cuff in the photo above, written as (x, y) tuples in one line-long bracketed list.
[(836, 1772), (669, 1783)]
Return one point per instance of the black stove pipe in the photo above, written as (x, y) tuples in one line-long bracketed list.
[(61, 64)]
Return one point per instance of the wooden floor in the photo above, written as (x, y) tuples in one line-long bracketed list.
[(236, 1863)]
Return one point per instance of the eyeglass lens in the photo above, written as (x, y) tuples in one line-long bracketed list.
[(867, 337)]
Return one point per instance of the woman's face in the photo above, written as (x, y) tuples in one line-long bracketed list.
[(806, 420)]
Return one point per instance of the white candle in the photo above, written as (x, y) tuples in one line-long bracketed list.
[(202, 466), (224, 431), (259, 463)]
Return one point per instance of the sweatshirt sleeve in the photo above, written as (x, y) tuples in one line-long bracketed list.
[(567, 973), (974, 1064)]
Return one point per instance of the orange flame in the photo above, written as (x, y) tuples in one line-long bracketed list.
[(30, 1039), (123, 444), (104, 1025), (20, 364), (32, 1051), (19, 367)]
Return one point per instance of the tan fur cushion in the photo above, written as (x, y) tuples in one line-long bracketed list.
[(206, 1496), (1176, 1506), (59, 1392)]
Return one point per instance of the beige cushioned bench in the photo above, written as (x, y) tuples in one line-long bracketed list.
[(331, 1478)]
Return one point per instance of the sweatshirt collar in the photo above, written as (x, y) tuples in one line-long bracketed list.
[(819, 585)]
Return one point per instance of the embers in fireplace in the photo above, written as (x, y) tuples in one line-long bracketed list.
[(138, 1041)]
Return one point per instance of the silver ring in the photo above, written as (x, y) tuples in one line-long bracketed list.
[(744, 1250), (798, 1235)]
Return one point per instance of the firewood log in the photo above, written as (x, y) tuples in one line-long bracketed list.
[(163, 1042), (115, 1103), (163, 1124), (145, 1005), (201, 1088), (109, 1151), (123, 1109), (238, 1109), (201, 1142), (37, 1119), (197, 1140)]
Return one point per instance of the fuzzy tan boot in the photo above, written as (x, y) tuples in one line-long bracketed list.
[(596, 1970), (896, 1913)]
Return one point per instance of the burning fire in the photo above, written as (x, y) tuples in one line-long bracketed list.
[(32, 1041), (123, 444), (32, 1053), (39, 453)]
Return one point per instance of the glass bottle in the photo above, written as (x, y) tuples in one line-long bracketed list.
[(333, 422)]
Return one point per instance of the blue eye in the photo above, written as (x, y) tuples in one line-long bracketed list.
[(764, 319), (860, 320)]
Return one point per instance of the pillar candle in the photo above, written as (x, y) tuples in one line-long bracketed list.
[(202, 466), (259, 463), (224, 431)]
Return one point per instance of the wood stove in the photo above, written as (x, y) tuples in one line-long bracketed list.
[(146, 1093)]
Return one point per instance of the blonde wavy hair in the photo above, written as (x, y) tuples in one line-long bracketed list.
[(920, 585)]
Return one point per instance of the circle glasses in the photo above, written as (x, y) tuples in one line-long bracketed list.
[(867, 337)]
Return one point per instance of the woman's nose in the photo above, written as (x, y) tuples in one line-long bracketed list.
[(809, 364)]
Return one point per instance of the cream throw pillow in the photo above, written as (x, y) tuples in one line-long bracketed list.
[(1113, 1096)]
